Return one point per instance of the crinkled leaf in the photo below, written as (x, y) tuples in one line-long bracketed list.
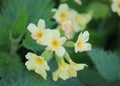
[(31, 44), (42, 9), (107, 63), (91, 77), (9, 64), (20, 23)]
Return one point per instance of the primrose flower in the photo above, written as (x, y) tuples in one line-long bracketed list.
[(80, 20), (81, 44), (37, 63), (67, 28), (66, 70), (55, 43), (116, 6), (76, 66), (73, 67), (38, 32), (61, 72), (62, 13)]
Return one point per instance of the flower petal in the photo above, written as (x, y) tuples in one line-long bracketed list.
[(55, 75), (62, 40), (30, 65), (63, 7), (86, 47), (30, 55), (42, 72), (78, 2), (55, 33), (41, 24), (76, 48), (80, 66), (60, 51), (32, 28), (84, 36)]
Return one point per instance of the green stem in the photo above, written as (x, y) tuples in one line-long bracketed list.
[(59, 60), (47, 55), (14, 44), (67, 57)]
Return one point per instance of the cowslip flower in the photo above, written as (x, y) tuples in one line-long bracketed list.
[(73, 67), (38, 32), (67, 28), (76, 66), (55, 43), (66, 70), (62, 13), (81, 44), (61, 72), (37, 63), (116, 6), (80, 20)]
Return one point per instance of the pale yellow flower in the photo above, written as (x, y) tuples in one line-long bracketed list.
[(62, 13), (76, 66), (62, 72), (38, 32), (116, 6), (67, 28), (80, 21), (55, 43), (66, 71), (81, 44), (37, 63)]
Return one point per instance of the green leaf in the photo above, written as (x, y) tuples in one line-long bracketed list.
[(31, 44), (12, 18), (107, 63), (9, 64), (91, 77), (42, 9), (13, 73), (20, 23), (70, 82), (27, 78), (100, 11), (16, 15)]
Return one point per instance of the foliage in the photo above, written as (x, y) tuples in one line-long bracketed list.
[(103, 64), (107, 63)]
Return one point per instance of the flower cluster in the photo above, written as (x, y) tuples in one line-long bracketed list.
[(69, 21), (116, 6)]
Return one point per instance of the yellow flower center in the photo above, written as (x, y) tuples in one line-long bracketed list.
[(55, 43), (39, 60), (63, 15), (39, 34), (118, 5), (79, 43)]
